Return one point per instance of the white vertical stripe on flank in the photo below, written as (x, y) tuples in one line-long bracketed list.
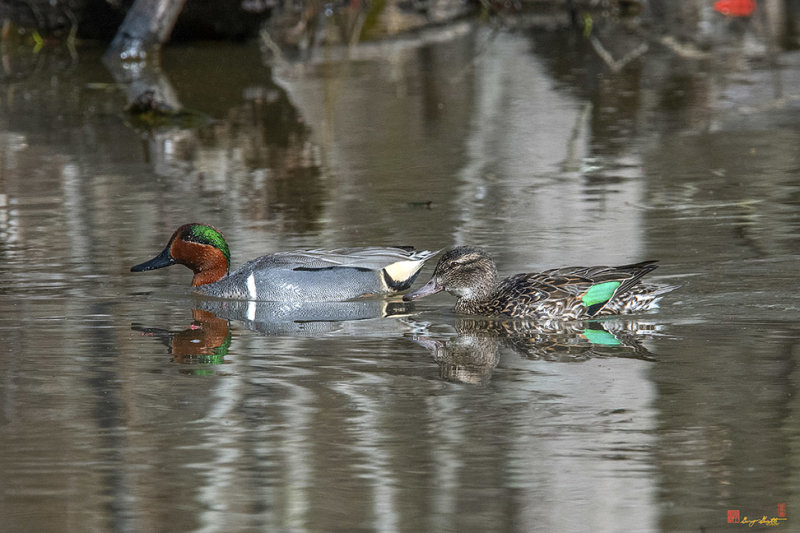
[(251, 286)]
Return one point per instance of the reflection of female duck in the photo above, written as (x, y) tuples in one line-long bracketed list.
[(471, 355), (566, 341), (561, 293), (464, 358)]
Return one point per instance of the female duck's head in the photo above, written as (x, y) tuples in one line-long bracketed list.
[(200, 247), (464, 271)]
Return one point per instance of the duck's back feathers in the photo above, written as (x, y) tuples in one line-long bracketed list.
[(372, 257), (322, 275), (597, 286)]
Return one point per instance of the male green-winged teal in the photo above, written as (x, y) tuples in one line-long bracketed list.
[(303, 275), (561, 293)]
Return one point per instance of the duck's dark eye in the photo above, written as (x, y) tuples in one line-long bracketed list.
[(465, 261)]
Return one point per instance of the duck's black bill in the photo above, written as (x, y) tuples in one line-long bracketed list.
[(164, 259), (429, 288)]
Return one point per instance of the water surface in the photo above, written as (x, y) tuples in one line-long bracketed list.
[(126, 404)]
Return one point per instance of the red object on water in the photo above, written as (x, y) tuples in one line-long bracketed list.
[(735, 8)]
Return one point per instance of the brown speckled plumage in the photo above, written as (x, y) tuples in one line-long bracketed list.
[(470, 274)]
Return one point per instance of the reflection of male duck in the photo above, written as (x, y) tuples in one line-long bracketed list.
[(206, 341), (208, 338), (305, 318), (471, 355)]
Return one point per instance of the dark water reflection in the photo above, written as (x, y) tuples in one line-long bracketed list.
[(127, 405)]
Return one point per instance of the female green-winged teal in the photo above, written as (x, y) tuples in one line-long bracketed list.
[(561, 293), (303, 275)]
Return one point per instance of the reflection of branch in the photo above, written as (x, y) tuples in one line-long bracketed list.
[(272, 46), (683, 50), (571, 159), (73, 32), (139, 77), (617, 65), (36, 14), (355, 35), (477, 56)]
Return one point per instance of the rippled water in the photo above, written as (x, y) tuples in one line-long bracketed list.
[(127, 404)]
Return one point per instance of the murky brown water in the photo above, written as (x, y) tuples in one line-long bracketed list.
[(128, 405)]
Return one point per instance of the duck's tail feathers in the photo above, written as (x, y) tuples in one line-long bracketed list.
[(399, 275), (637, 271), (647, 295), (656, 291)]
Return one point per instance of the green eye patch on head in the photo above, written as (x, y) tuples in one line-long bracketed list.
[(210, 235)]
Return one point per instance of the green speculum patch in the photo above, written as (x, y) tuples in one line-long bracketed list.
[(600, 293)]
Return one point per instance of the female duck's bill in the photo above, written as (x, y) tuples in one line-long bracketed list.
[(426, 290)]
